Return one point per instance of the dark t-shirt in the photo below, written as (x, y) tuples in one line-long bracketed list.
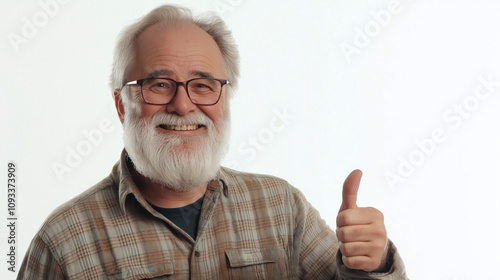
[(184, 217)]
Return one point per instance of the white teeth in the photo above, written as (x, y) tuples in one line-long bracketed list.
[(182, 127)]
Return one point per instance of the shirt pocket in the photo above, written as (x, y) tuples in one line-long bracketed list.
[(257, 263), (152, 271)]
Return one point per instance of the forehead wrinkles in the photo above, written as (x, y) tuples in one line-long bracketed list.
[(182, 46), (172, 63)]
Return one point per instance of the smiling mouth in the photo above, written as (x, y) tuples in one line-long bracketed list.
[(181, 127)]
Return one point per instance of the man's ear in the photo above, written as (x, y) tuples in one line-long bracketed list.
[(119, 105)]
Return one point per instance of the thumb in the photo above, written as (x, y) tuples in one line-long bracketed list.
[(350, 190)]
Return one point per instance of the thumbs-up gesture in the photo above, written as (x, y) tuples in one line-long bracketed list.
[(360, 230)]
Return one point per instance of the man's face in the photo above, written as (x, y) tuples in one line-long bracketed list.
[(180, 53), (179, 139)]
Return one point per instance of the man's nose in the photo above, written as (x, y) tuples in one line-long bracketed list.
[(181, 104)]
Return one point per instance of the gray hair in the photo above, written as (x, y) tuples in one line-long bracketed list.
[(171, 15)]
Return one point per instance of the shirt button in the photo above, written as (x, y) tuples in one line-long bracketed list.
[(196, 254)]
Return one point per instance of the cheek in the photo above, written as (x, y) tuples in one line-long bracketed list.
[(216, 113), (147, 111)]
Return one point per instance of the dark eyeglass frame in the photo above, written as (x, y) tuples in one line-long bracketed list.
[(140, 82)]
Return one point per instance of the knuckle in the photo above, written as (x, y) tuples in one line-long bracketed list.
[(380, 232), (369, 266), (340, 234), (343, 249), (358, 263), (350, 262), (342, 218), (376, 214), (339, 219), (380, 215), (378, 247), (352, 250)]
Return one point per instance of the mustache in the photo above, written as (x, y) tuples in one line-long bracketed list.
[(162, 118)]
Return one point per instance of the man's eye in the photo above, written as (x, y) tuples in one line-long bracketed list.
[(161, 86), (201, 86)]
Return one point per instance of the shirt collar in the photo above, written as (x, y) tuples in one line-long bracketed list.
[(126, 185)]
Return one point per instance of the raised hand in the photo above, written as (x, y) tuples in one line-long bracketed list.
[(360, 230)]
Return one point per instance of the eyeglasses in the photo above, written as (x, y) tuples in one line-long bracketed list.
[(161, 91)]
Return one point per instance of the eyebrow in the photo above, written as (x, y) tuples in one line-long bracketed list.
[(201, 74), (159, 73)]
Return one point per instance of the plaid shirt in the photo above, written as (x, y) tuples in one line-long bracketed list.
[(251, 227)]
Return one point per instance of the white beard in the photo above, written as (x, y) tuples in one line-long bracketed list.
[(159, 156)]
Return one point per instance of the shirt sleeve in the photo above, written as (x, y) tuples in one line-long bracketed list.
[(317, 249), (39, 263)]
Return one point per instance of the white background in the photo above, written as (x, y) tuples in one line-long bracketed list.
[(307, 110)]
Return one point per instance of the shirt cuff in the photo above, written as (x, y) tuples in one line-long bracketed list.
[(394, 269)]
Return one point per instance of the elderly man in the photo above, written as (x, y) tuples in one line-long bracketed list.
[(169, 210)]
